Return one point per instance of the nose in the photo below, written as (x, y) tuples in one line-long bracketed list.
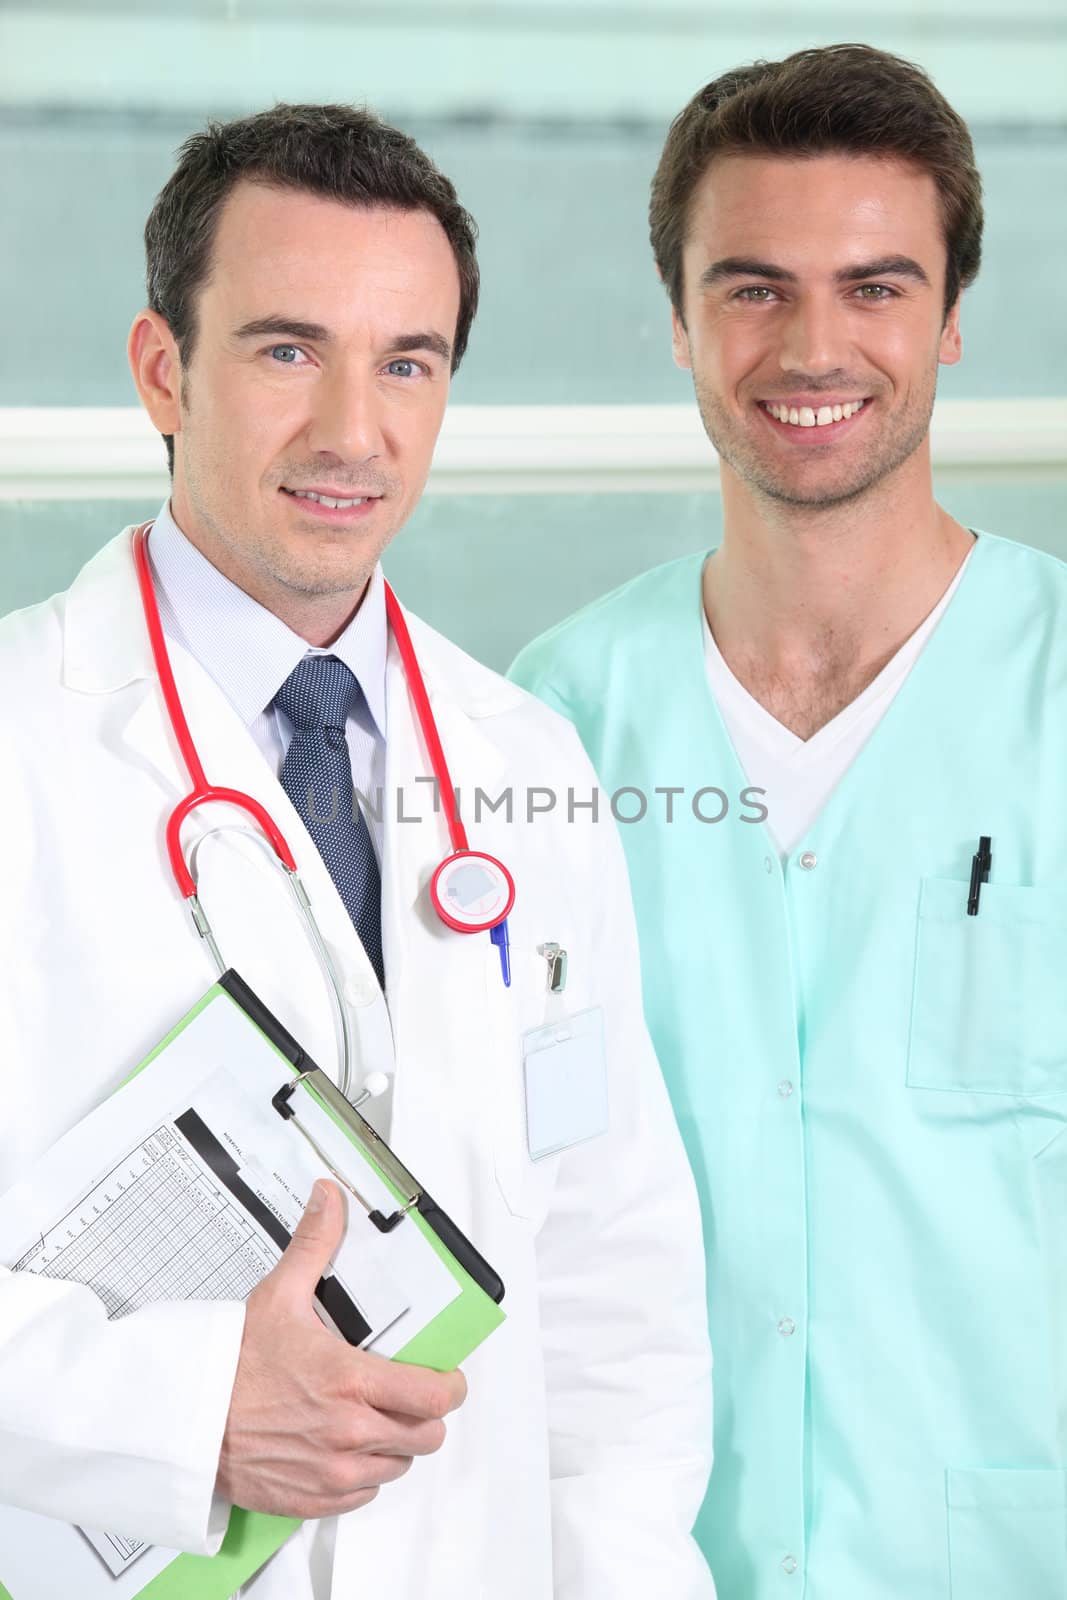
[(814, 339), (347, 417)]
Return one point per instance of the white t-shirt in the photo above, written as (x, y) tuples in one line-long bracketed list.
[(799, 775)]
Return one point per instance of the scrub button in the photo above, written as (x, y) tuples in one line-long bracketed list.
[(768, 864), (789, 1565), (808, 860), (785, 1088), (787, 1327)]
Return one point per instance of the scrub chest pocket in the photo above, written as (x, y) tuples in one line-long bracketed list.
[(989, 1000)]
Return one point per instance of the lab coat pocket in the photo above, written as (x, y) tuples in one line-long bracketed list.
[(989, 1004), (526, 1185), (1006, 1533)]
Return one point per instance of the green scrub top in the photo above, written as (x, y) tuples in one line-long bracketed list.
[(872, 1086)]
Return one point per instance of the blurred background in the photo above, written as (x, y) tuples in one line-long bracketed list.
[(571, 458)]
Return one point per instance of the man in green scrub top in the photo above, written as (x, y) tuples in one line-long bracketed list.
[(856, 979)]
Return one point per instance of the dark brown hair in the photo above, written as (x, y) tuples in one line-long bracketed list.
[(844, 97), (341, 152)]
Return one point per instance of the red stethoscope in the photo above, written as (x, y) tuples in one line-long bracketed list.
[(471, 892)]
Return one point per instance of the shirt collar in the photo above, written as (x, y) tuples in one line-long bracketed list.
[(247, 649)]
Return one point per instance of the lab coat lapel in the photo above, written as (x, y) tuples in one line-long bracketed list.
[(436, 977)]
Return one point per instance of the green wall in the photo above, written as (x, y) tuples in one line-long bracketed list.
[(492, 571)]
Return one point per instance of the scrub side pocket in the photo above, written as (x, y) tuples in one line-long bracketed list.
[(1006, 1534), (989, 999)]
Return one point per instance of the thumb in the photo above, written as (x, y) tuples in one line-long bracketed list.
[(317, 1236)]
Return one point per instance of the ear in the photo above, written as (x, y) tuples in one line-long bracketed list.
[(950, 349), (679, 341), (157, 370)]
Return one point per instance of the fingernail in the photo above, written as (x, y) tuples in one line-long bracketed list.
[(317, 1197)]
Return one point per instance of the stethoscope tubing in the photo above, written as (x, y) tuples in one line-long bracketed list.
[(203, 793), (457, 833)]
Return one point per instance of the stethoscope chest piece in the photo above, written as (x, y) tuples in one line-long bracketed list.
[(472, 892)]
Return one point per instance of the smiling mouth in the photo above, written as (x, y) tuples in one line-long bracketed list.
[(332, 502), (812, 416)]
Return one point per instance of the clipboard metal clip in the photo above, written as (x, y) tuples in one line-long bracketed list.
[(282, 1103)]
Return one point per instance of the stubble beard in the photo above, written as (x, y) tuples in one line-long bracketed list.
[(241, 547), (898, 436)]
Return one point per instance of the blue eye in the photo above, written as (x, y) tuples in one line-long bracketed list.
[(410, 368), (285, 353)]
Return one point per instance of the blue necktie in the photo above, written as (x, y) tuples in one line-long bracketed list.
[(318, 697)]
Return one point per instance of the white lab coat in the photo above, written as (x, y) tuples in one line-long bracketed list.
[(576, 1467)]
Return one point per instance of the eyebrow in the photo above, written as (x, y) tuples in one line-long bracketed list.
[(434, 342), (748, 267), (284, 327), (316, 333)]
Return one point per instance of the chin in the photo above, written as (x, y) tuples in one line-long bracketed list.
[(325, 578), (817, 497)]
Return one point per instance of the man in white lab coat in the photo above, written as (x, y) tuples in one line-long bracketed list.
[(312, 282)]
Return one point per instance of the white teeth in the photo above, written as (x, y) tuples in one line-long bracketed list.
[(808, 417), (326, 500)]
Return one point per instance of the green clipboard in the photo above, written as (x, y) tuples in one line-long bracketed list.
[(446, 1341)]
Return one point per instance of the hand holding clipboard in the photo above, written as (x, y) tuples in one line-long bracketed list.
[(189, 1182), (315, 1427)]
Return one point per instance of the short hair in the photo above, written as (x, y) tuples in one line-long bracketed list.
[(344, 153), (847, 98)]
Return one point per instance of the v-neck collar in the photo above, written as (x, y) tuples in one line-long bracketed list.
[(941, 641), (787, 746)]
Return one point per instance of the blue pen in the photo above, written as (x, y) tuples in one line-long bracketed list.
[(499, 936)]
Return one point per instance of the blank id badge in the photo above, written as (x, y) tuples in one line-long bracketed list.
[(566, 1078)]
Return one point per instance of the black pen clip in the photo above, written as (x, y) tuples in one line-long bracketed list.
[(980, 865)]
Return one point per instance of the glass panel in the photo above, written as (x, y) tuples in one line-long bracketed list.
[(572, 312)]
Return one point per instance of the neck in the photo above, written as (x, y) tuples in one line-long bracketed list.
[(808, 604), (318, 619)]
